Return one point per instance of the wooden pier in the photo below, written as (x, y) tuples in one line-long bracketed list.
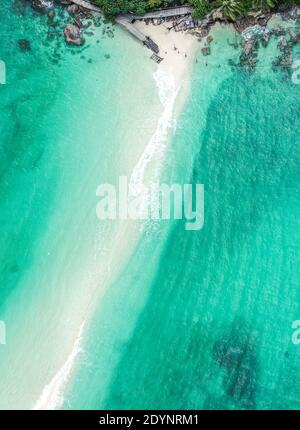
[(127, 21), (156, 58), (130, 17), (147, 41), (170, 12)]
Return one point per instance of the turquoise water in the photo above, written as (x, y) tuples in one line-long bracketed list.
[(215, 329), (215, 332), (197, 320), (64, 116)]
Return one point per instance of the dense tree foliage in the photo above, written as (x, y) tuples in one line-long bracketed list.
[(114, 7), (231, 9)]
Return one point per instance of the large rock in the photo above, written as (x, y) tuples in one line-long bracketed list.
[(24, 45), (42, 5), (51, 14), (293, 13), (249, 46), (265, 39), (73, 35), (73, 9), (295, 37), (255, 31), (285, 60), (206, 51), (283, 44), (243, 23), (204, 32)]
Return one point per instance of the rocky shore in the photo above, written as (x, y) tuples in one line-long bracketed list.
[(73, 30), (257, 34), (253, 29)]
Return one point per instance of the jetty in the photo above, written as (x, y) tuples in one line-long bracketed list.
[(129, 26), (169, 12), (127, 21), (156, 58), (130, 17)]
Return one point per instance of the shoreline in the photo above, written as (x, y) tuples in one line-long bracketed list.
[(181, 21), (177, 48), (179, 51), (177, 66), (171, 78), (172, 35), (177, 63)]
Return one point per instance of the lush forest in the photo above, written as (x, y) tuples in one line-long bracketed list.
[(231, 9)]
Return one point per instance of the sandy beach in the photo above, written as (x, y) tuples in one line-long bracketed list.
[(172, 77), (117, 313), (176, 48)]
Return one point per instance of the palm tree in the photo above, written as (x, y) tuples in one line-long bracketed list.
[(263, 4), (231, 9)]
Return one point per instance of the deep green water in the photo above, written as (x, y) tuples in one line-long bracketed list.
[(215, 332), (198, 320)]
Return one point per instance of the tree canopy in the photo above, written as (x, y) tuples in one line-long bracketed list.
[(231, 9)]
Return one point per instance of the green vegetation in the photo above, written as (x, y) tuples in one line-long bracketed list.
[(230, 9), (115, 7)]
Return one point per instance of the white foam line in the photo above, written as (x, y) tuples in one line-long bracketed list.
[(167, 93), (52, 395)]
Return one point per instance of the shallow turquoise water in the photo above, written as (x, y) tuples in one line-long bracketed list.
[(195, 319), (215, 329), (63, 127)]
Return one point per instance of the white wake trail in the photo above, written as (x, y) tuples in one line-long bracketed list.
[(52, 395), (167, 94)]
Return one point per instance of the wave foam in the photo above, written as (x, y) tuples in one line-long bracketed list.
[(167, 94), (52, 395)]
